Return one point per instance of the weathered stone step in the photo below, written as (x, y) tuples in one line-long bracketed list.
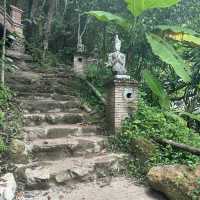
[(50, 106), (47, 96), (52, 119), (59, 131), (108, 188), (57, 75), (39, 175), (41, 88), (54, 149)]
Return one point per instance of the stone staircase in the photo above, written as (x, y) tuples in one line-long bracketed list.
[(66, 152)]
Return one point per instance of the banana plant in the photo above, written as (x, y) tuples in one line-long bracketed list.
[(158, 40)]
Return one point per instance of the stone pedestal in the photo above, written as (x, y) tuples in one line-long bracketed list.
[(122, 99), (80, 64), (16, 16)]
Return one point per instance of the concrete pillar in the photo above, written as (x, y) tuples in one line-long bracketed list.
[(16, 15), (122, 100), (18, 44), (80, 64)]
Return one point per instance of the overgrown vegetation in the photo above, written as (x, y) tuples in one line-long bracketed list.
[(162, 44), (10, 118), (143, 130)]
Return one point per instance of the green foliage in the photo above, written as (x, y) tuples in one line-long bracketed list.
[(177, 29), (137, 7), (37, 55), (174, 66), (97, 75), (5, 95), (168, 54), (152, 123), (10, 118), (3, 147), (181, 34), (157, 89), (109, 17), (2, 119), (196, 192)]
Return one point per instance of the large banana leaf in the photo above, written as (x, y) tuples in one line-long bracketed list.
[(155, 86), (181, 34), (137, 7), (109, 17), (168, 54)]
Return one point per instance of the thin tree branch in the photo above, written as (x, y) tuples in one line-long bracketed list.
[(3, 47), (184, 147)]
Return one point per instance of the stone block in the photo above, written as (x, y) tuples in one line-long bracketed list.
[(80, 64), (16, 16), (8, 187)]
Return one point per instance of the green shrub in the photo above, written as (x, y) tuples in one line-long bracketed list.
[(3, 146), (5, 95), (152, 122), (97, 75), (10, 118)]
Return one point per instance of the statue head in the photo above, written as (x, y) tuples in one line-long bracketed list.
[(117, 43)]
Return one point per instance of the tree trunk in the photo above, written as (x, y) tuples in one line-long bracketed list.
[(34, 5), (51, 11), (3, 47), (184, 147)]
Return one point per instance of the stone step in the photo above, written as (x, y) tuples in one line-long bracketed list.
[(40, 175), (44, 96), (108, 188), (33, 77), (41, 88), (53, 118), (59, 131), (50, 106), (60, 75), (54, 149)]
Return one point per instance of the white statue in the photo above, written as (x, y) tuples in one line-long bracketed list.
[(117, 59)]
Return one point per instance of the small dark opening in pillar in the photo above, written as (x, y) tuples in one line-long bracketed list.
[(129, 95), (80, 59)]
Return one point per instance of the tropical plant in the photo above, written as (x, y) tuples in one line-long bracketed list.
[(160, 39), (151, 123)]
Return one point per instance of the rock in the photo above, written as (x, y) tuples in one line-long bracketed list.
[(36, 179), (63, 177), (8, 187), (18, 152), (177, 182), (75, 173)]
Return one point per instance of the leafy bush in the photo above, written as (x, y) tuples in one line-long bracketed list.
[(5, 95), (10, 119), (151, 123), (3, 146), (97, 75)]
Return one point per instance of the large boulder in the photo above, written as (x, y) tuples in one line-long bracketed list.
[(18, 152), (177, 182), (8, 187)]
